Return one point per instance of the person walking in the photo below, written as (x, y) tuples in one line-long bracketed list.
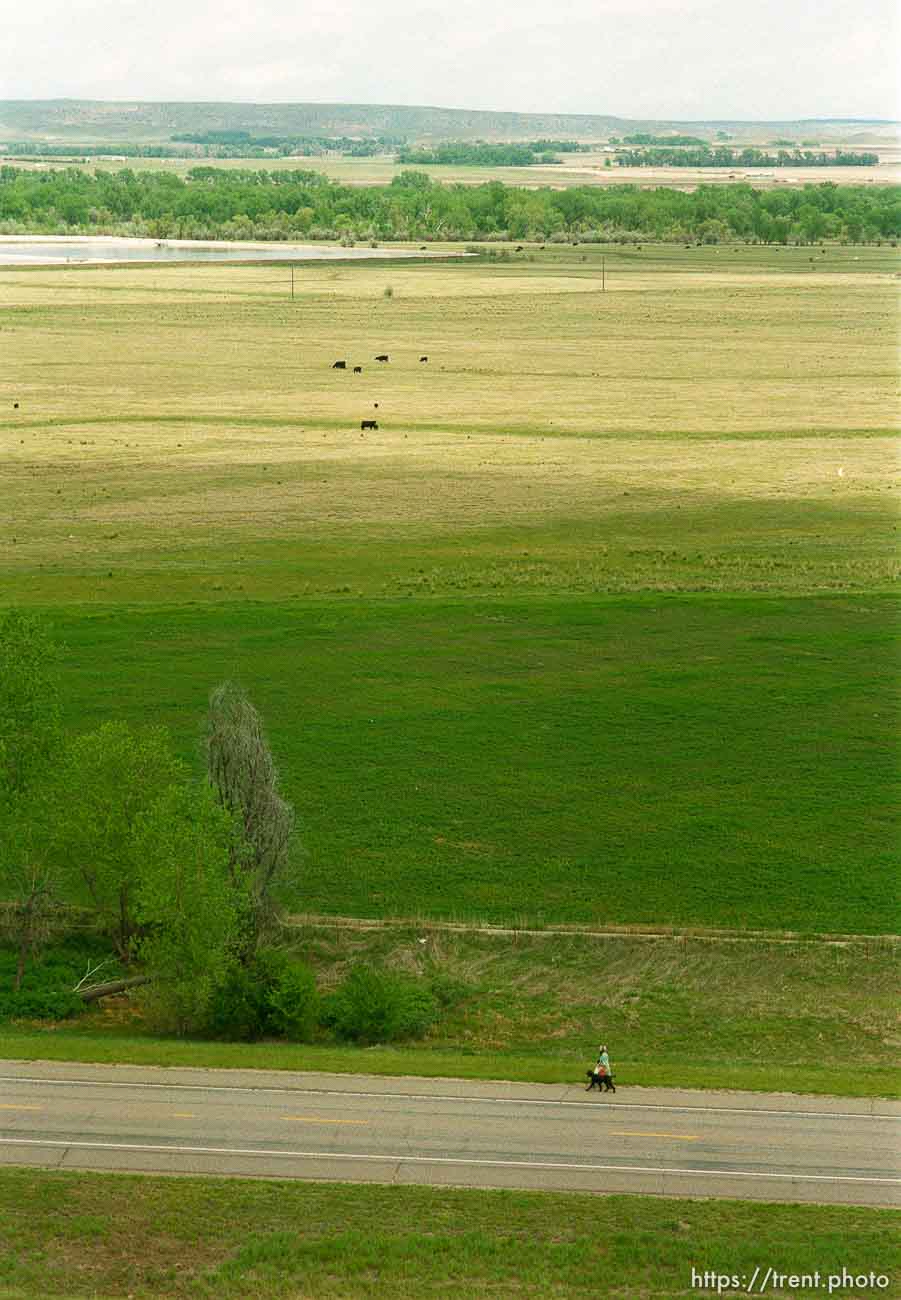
[(600, 1075), (605, 1074)]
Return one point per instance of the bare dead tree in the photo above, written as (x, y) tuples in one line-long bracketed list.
[(31, 916), (242, 771)]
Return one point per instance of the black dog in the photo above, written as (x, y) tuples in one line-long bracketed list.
[(604, 1082)]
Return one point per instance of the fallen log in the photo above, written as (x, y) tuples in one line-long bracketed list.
[(112, 986)]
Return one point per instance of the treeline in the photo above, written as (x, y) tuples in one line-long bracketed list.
[(212, 203), (241, 144), (724, 157), (558, 146), (642, 137), (214, 144), (84, 151), (481, 154)]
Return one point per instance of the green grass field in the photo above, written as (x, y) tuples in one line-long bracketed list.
[(594, 628), (105, 1235), (716, 760)]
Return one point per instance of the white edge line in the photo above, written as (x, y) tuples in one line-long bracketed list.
[(440, 1160), (430, 1096)]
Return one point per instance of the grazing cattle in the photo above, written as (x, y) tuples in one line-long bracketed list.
[(423, 358), (383, 356), (339, 365), (519, 248), (15, 406), (358, 370), (369, 424)]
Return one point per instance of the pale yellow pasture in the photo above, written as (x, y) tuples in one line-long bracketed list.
[(509, 349), (195, 482), (168, 413)]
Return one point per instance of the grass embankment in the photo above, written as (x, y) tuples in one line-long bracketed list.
[(685, 1012), (590, 630), (102, 1235)]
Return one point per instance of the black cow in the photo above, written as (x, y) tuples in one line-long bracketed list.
[(383, 356), (15, 406), (369, 424), (339, 365), (358, 370), (423, 358), (519, 248)]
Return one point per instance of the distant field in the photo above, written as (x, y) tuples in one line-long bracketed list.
[(596, 625), (575, 169)]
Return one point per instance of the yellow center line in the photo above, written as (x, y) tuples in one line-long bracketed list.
[(15, 1106), (637, 1133), (313, 1119)]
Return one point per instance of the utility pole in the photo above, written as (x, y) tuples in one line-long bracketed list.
[(292, 282), (603, 275)]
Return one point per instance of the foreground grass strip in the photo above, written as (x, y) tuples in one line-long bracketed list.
[(99, 1235)]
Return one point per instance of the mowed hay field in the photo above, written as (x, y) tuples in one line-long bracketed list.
[(596, 627)]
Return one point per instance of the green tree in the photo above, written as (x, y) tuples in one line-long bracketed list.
[(186, 901), (812, 223), (107, 781)]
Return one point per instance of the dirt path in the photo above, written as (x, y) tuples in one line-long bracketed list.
[(318, 921)]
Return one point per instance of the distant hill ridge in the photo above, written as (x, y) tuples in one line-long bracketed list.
[(101, 121)]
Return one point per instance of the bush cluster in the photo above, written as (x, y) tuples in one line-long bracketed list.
[(378, 1006), (275, 997), (271, 996)]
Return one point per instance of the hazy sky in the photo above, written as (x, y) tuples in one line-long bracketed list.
[(634, 58)]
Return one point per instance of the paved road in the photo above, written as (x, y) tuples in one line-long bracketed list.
[(449, 1132)]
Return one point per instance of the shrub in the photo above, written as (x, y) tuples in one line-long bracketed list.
[(236, 1008), (269, 996), (293, 1003), (374, 1006)]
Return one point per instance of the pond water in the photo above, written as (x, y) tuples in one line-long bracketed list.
[(17, 251)]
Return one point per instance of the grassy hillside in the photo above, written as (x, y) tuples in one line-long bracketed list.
[(99, 120), (684, 1011), (595, 627)]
